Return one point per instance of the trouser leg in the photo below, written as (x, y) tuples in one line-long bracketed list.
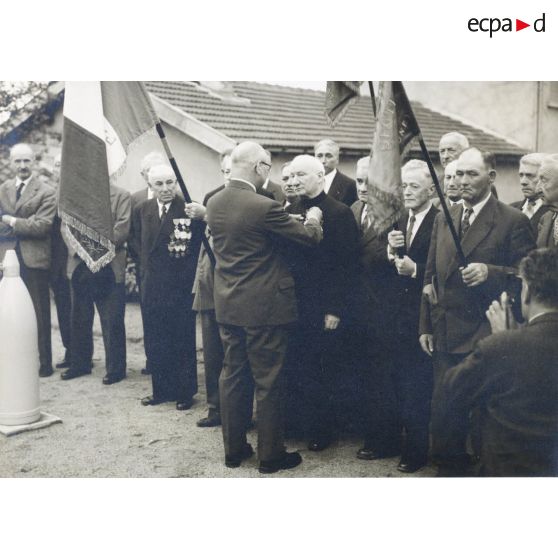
[(63, 300), (213, 358), (235, 389), (83, 312), (266, 348)]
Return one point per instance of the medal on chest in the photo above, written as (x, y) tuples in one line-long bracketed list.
[(180, 237)]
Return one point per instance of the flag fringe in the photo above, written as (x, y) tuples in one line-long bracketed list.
[(94, 265)]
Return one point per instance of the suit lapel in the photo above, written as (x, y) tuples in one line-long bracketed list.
[(152, 221), (480, 228)]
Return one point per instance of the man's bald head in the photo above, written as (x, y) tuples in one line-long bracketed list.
[(451, 146), (307, 175), (162, 180), (151, 159), (22, 158), (548, 180), (250, 162)]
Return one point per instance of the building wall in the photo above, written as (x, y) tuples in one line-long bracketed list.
[(508, 108)]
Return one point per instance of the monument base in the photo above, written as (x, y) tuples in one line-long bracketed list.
[(45, 420)]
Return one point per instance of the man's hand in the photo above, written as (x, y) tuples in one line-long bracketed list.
[(500, 316), (8, 220), (396, 240), (331, 321), (314, 213), (195, 210), (429, 293), (426, 341), (474, 274), (405, 266)]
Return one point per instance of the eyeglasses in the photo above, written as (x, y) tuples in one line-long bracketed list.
[(268, 165)]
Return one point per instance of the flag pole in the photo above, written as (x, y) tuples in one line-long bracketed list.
[(443, 204), (183, 189), (372, 96)]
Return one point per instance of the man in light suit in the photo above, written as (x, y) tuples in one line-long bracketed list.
[(27, 209), (547, 234), (204, 305), (105, 290), (337, 185), (412, 369), (533, 205), (168, 243), (254, 304), (494, 238), (512, 378)]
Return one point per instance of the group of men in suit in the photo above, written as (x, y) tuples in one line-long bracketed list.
[(308, 309)]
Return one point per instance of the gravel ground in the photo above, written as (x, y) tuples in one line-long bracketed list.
[(107, 433)]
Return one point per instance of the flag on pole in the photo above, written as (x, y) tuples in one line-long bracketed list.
[(104, 121), (339, 97), (396, 126)]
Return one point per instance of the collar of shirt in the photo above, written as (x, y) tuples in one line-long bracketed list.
[(328, 179), (167, 205), (477, 208), (540, 314), (419, 218), (24, 182), (150, 193), (245, 182), (266, 183), (452, 203), (534, 208)]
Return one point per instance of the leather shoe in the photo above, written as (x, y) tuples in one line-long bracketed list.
[(211, 420), (110, 379), (184, 405), (45, 372), (369, 454), (288, 461), (64, 363), (234, 461), (319, 444), (150, 400), (411, 465), (70, 374)]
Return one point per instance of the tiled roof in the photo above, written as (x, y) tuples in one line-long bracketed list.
[(293, 119)]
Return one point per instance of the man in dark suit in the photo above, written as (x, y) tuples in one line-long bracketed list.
[(547, 234), (168, 243), (412, 368), (138, 197), (451, 190), (323, 277), (254, 304), (451, 145), (512, 377), (494, 238), (337, 185), (532, 205), (58, 279), (272, 188), (106, 291), (27, 209), (372, 342)]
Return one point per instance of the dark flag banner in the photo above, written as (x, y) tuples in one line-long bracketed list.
[(396, 126), (104, 121), (339, 97)]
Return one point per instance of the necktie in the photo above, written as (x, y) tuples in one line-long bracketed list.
[(365, 220), (18, 190), (465, 223), (163, 212), (410, 227)]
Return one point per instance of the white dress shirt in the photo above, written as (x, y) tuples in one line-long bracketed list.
[(161, 205), (476, 209), (530, 210), (419, 218), (328, 179)]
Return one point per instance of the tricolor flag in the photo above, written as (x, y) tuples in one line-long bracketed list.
[(103, 122), (339, 97), (396, 126)]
